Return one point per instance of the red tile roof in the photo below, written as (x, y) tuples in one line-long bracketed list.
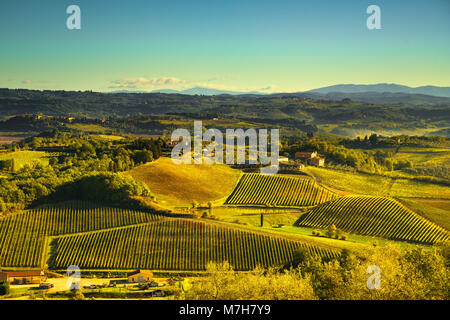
[(148, 272), (23, 273)]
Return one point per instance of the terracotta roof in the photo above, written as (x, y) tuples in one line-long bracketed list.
[(23, 273), (148, 272)]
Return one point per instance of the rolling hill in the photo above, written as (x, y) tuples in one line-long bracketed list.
[(278, 190), (97, 237), (181, 184), (176, 244), (374, 216)]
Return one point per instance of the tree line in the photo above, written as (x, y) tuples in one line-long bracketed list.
[(77, 156)]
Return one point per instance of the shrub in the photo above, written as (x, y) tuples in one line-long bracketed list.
[(77, 295), (344, 237), (4, 288), (331, 231), (2, 206)]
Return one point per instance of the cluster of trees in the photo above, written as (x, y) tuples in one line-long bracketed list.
[(377, 141), (331, 232), (111, 188), (119, 155), (79, 156), (380, 272), (337, 154), (7, 165), (362, 160), (4, 288)]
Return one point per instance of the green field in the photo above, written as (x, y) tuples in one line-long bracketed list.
[(278, 190), (22, 158), (376, 185), (88, 127), (252, 215), (424, 156), (374, 216), (107, 137)]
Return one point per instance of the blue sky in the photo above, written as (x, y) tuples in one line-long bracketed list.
[(271, 46)]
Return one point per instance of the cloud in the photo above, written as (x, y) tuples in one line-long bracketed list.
[(218, 78), (144, 83), (267, 89)]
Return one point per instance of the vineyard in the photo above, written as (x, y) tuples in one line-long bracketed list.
[(256, 189), (374, 216), (92, 236), (176, 244), (22, 235)]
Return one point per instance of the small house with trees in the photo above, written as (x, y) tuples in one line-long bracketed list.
[(140, 276), (305, 155), (317, 161), (291, 166)]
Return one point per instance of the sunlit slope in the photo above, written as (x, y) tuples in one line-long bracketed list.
[(177, 244), (374, 216), (181, 184), (98, 237), (377, 185), (278, 190), (23, 235), (23, 158)]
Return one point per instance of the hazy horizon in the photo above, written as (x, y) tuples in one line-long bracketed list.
[(265, 46)]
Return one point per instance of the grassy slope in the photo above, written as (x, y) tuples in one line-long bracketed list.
[(88, 127), (361, 183), (22, 158), (180, 184), (424, 156), (437, 211)]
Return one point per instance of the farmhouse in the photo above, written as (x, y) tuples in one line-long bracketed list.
[(292, 165), (140, 276), (23, 277), (311, 158), (317, 161), (283, 159), (305, 155)]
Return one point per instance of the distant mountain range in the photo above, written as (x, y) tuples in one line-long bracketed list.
[(385, 87), (351, 91), (194, 91)]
